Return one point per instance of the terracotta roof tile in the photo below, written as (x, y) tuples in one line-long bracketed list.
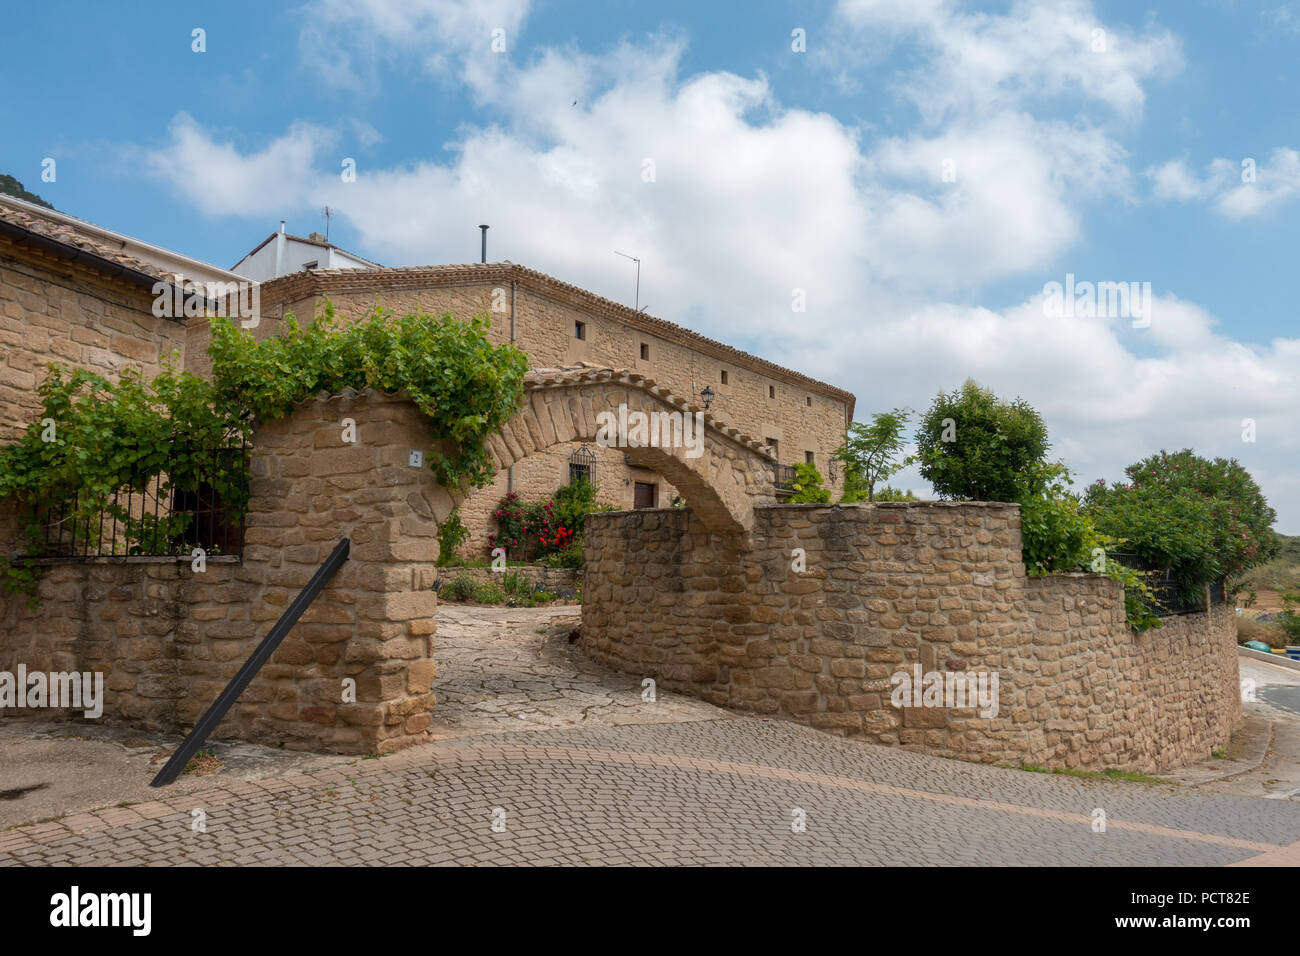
[(73, 238)]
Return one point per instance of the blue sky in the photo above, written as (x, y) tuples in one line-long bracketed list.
[(775, 171)]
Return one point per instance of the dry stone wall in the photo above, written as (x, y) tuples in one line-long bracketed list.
[(890, 588), (563, 581)]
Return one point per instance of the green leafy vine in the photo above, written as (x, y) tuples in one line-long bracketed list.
[(95, 438)]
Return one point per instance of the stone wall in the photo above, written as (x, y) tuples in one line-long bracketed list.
[(168, 639), (538, 575), (52, 310), (885, 588)]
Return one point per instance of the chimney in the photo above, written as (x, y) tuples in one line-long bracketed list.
[(485, 229), (279, 251)]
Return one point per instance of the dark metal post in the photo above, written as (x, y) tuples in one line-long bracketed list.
[(208, 722)]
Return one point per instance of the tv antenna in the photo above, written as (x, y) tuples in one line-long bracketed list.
[(638, 276), (328, 213)]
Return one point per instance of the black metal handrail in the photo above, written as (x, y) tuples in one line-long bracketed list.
[(784, 475), (1164, 587), (154, 515), (212, 717)]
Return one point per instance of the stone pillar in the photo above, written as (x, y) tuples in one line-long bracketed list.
[(339, 467)]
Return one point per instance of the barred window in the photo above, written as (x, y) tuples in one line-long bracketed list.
[(582, 465)]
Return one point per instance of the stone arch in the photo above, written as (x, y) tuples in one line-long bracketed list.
[(731, 474)]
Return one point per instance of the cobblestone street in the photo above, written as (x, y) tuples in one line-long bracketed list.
[(502, 669), (545, 758)]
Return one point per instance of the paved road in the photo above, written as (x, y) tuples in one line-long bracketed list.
[(545, 759), (1282, 697), (699, 792)]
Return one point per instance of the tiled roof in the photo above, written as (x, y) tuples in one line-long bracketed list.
[(71, 237)]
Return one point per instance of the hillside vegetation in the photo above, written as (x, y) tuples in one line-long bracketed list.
[(12, 187)]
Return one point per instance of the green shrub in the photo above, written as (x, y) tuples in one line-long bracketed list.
[(1057, 535), (461, 588), (451, 535), (807, 486), (1289, 618), (1199, 519), (489, 594), (974, 446), (514, 583), (573, 502)]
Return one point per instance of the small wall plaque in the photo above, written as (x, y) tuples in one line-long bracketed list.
[(417, 458)]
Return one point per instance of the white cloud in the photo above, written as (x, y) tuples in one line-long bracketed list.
[(1013, 203), (1227, 184), (1173, 180), (982, 62), (220, 180), (344, 41)]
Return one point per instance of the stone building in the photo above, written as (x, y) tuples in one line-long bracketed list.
[(81, 296), (558, 324)]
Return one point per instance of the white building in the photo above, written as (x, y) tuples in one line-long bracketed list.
[(281, 253)]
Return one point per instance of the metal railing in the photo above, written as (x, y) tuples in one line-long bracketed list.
[(156, 517), (1165, 589), (784, 476)]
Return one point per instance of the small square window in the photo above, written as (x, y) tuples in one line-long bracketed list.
[(771, 391), (579, 330), (808, 457), (724, 376), (645, 350)]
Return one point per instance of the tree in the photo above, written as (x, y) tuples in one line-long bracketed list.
[(888, 493), (871, 453), (974, 446), (1199, 519)]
